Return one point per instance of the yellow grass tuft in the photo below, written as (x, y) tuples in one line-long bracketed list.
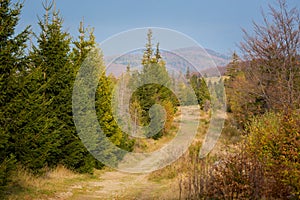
[(61, 172)]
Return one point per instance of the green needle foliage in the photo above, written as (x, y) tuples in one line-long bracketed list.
[(50, 133), (154, 82), (12, 73), (107, 122)]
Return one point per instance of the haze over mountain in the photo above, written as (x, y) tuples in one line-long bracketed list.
[(194, 58)]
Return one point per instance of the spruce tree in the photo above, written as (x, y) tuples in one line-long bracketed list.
[(51, 133), (201, 90), (12, 70), (105, 116), (42, 131), (101, 142), (154, 82), (83, 48), (83, 45)]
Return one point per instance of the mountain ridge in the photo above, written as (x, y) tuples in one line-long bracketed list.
[(194, 58)]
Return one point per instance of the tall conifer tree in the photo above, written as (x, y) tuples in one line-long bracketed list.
[(12, 69), (155, 83)]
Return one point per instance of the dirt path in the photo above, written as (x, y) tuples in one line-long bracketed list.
[(119, 185)]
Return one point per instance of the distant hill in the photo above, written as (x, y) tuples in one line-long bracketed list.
[(203, 61)]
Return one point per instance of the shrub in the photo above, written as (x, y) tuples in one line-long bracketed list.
[(275, 140), (266, 165)]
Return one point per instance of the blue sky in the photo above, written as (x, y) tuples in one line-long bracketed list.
[(214, 24)]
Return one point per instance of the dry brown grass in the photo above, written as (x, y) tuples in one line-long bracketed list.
[(25, 185), (61, 172)]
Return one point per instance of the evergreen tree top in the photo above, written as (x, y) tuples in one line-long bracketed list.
[(12, 46), (151, 57)]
